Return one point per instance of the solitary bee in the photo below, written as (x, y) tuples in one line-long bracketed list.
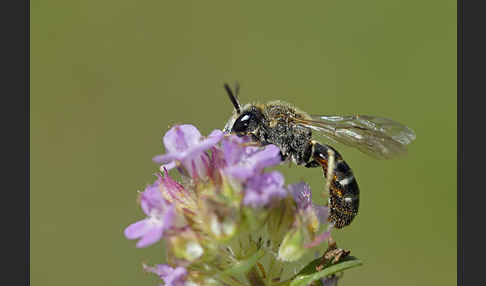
[(291, 130)]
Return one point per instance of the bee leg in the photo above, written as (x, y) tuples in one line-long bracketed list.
[(341, 186), (252, 144)]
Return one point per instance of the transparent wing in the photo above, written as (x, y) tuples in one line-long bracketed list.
[(378, 137)]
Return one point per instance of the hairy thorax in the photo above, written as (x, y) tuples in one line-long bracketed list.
[(281, 130)]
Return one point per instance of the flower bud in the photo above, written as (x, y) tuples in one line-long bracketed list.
[(292, 247), (185, 246), (220, 220)]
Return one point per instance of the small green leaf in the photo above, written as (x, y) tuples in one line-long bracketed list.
[(292, 247), (244, 266), (309, 274)]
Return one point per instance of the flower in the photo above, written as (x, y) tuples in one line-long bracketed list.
[(262, 189), (185, 144), (174, 192), (310, 211), (160, 216), (331, 280), (247, 161), (171, 276), (227, 216), (302, 195)]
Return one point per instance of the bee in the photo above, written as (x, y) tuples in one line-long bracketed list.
[(292, 130)]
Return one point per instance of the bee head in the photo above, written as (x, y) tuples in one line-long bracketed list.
[(247, 122)]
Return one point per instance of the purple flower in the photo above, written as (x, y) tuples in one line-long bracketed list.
[(302, 195), (185, 144), (330, 280), (171, 276), (224, 187), (261, 189), (233, 149), (243, 162), (319, 239), (160, 216), (173, 191)]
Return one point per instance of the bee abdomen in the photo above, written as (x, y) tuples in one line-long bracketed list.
[(343, 190), (344, 196)]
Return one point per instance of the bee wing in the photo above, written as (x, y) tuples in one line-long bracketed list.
[(378, 137)]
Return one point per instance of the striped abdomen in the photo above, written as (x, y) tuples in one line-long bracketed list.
[(343, 189)]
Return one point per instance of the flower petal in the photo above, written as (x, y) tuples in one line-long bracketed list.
[(322, 213), (302, 194), (159, 269), (180, 137), (233, 152), (319, 239), (241, 172), (137, 229), (165, 158), (205, 144), (168, 166), (151, 198), (270, 156), (184, 143), (262, 189), (176, 278), (171, 276), (153, 235), (168, 217)]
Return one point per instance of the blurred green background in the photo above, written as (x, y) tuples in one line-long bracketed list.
[(109, 77)]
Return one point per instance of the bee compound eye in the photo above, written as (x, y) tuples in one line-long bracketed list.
[(242, 123)]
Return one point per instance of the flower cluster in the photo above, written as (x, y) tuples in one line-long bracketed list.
[(226, 220)]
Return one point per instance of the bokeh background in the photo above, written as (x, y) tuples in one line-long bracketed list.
[(109, 77)]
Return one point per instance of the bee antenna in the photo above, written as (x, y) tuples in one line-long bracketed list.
[(232, 97), (237, 89)]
